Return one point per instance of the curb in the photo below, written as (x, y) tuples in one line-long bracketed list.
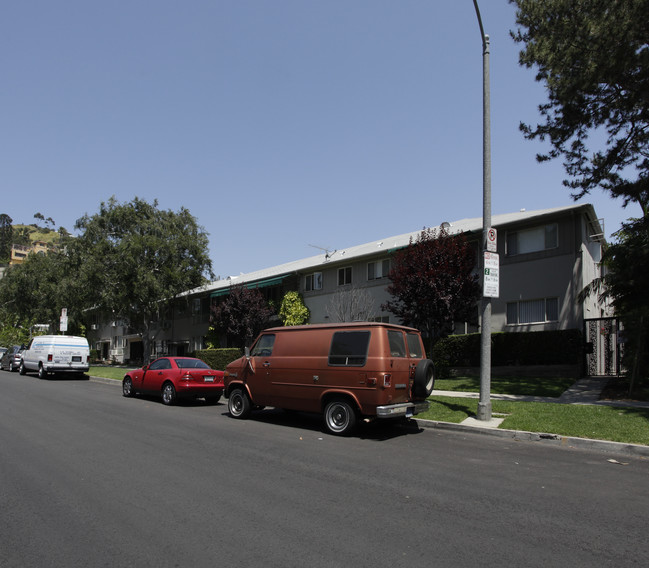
[(117, 382), (620, 448)]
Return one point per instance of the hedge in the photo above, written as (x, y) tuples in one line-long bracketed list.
[(219, 358), (562, 347)]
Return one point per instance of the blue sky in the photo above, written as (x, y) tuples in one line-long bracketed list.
[(282, 125)]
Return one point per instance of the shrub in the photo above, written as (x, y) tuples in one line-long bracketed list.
[(219, 358), (563, 347)]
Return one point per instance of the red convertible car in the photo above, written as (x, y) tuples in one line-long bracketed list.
[(175, 377)]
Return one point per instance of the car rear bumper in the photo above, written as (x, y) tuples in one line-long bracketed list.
[(402, 409), (199, 390), (74, 368)]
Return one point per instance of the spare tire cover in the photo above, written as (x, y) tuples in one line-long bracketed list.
[(424, 379)]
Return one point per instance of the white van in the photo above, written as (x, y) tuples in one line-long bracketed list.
[(56, 354)]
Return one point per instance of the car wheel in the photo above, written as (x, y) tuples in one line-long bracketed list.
[(21, 368), (239, 404), (42, 373), (168, 394), (127, 387), (340, 417), (424, 379)]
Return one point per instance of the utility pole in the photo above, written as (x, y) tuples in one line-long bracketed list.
[(484, 404)]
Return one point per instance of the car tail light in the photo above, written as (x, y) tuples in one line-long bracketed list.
[(387, 380), (186, 377)]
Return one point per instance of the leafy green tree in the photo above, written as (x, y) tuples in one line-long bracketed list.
[(6, 237), (593, 58), (628, 282), (433, 283), (293, 311), (22, 236), (37, 289), (242, 315), (133, 259)]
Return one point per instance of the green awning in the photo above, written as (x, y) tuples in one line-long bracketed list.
[(250, 285)]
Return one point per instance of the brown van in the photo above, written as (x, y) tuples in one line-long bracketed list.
[(344, 371)]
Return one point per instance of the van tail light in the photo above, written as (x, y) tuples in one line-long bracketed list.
[(387, 380), (49, 358)]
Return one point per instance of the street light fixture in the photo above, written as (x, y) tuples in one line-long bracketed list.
[(484, 404)]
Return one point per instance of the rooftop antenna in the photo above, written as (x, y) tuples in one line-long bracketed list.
[(328, 254)]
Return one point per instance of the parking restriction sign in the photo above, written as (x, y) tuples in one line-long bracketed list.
[(492, 236), (491, 288)]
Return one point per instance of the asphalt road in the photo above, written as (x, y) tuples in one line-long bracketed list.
[(89, 478)]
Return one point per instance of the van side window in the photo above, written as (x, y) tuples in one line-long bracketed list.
[(263, 347), (397, 344), (414, 346), (349, 348)]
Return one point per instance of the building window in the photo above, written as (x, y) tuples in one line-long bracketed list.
[(533, 240), (344, 276), (313, 281), (533, 311), (379, 269)]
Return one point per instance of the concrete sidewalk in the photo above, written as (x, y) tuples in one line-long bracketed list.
[(584, 391)]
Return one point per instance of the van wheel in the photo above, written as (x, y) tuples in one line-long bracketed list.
[(239, 404), (168, 394), (340, 417), (424, 379), (42, 373), (21, 368), (127, 387)]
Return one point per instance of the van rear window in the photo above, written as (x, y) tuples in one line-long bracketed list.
[(414, 346), (397, 344), (349, 348)]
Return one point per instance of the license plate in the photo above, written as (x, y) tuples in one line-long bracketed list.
[(76, 359), (208, 379)]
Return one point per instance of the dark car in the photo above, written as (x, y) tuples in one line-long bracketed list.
[(175, 377), (10, 360)]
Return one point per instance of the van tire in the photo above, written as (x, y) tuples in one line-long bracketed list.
[(424, 379), (340, 417), (239, 405), (21, 368), (42, 373)]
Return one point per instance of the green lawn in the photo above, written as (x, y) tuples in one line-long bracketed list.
[(530, 386), (628, 425), (108, 372)]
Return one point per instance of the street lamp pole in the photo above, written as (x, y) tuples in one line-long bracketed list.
[(484, 404)]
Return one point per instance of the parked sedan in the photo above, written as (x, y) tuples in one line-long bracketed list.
[(11, 358), (175, 377)]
